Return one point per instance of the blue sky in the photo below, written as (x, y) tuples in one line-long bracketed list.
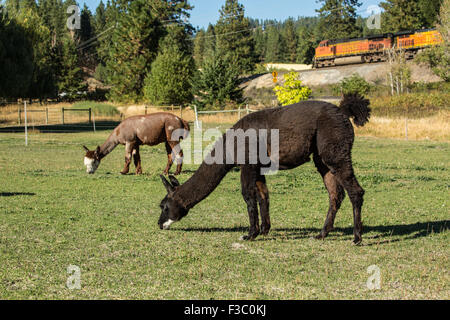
[(207, 11)]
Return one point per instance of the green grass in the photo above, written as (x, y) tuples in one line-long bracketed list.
[(107, 225), (99, 109)]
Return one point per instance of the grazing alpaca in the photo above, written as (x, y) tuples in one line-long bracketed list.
[(149, 130), (305, 128)]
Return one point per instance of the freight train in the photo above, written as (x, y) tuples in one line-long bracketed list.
[(374, 48)]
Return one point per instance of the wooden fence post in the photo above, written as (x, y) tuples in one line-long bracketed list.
[(46, 115), (181, 111), (246, 108), (90, 115), (239, 112), (20, 116)]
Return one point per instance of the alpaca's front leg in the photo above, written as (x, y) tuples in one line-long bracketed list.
[(248, 185), (263, 199), (128, 154)]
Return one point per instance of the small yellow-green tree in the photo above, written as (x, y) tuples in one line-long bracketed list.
[(292, 91)]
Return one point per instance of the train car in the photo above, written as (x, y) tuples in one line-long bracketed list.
[(373, 48), (413, 42), (370, 49)]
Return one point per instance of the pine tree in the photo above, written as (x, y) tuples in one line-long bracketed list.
[(100, 18), (260, 42), (273, 45), (105, 23), (401, 15), (217, 83), (338, 19), (210, 42), (234, 36), (86, 39), (70, 77), (199, 47), (430, 12), (134, 47), (289, 45), (306, 46), (42, 82), (169, 81), (17, 61), (135, 42)]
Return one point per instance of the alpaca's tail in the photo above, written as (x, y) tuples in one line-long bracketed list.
[(356, 107), (186, 128)]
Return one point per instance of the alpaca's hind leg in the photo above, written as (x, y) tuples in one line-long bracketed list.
[(336, 194), (175, 154), (248, 185), (263, 199), (178, 158), (355, 192), (169, 158), (137, 160), (129, 147)]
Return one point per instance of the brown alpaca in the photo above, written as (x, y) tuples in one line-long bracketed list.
[(149, 130), (307, 128)]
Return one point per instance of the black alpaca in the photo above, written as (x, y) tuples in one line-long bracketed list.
[(305, 128)]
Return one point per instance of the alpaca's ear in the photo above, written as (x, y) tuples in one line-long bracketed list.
[(174, 181), (85, 148), (166, 184), (97, 153)]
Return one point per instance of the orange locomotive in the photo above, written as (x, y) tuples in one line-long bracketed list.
[(373, 48)]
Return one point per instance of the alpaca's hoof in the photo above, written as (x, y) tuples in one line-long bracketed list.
[(247, 237), (176, 173), (319, 237), (123, 173), (357, 241)]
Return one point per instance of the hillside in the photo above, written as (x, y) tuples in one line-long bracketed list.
[(374, 73)]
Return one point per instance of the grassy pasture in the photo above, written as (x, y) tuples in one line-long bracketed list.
[(52, 215)]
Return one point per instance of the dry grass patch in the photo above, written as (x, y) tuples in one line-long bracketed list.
[(435, 128)]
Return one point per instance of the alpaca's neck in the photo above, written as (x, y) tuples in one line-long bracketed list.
[(201, 184), (109, 145)]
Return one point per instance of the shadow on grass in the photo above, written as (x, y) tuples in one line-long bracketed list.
[(65, 128), (409, 231), (12, 194)]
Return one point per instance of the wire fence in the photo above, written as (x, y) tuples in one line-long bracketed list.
[(53, 118), (240, 111)]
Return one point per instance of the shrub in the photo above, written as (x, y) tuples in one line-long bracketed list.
[(412, 105), (292, 91), (353, 84)]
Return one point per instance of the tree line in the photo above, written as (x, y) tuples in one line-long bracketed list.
[(146, 50)]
